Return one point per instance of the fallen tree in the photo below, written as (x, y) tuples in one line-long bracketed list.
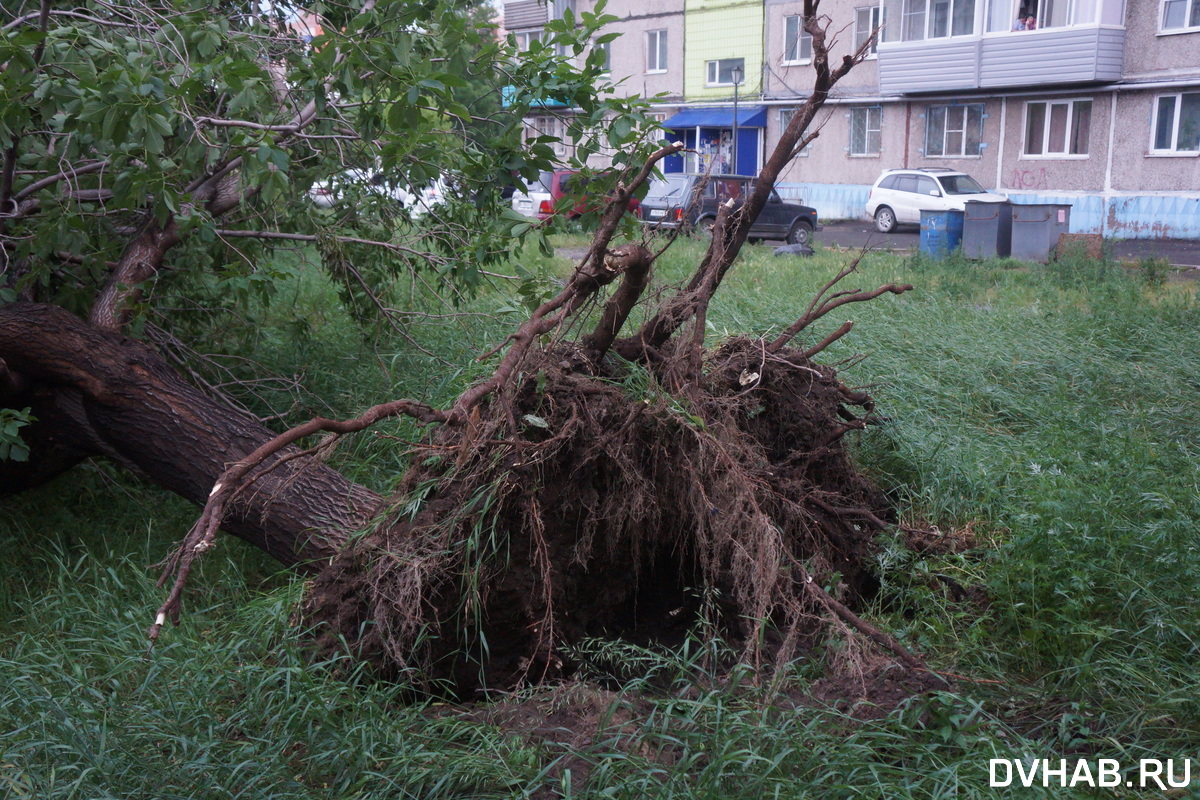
[(619, 484)]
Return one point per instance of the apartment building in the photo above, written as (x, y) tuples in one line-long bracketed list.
[(645, 60), (1095, 103)]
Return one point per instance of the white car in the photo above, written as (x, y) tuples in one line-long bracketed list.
[(327, 194), (531, 198), (900, 195)]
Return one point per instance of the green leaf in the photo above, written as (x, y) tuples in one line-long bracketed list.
[(11, 422)]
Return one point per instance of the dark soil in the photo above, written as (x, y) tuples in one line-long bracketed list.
[(605, 503), (874, 692), (576, 719)]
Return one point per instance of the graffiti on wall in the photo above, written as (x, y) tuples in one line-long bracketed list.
[(1029, 179)]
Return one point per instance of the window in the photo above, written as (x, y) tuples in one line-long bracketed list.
[(961, 184), (914, 20), (954, 131), (1003, 15), (865, 125), (928, 19), (550, 126), (797, 44), (656, 51), (1176, 123), (1180, 15), (526, 39), (866, 22), (785, 119), (1057, 128), (720, 73)]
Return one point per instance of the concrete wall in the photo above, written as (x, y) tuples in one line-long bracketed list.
[(1022, 173), (796, 80), (829, 159), (1149, 53), (628, 53), (1134, 169)]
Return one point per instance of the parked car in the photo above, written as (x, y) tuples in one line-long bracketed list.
[(900, 195), (327, 194), (691, 200), (535, 198), (542, 198)]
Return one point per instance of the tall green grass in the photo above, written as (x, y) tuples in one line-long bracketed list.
[(1049, 409), (1054, 407)]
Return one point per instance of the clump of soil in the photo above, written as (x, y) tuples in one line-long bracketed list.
[(600, 501), (874, 690)]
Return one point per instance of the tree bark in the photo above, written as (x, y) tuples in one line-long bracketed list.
[(100, 393)]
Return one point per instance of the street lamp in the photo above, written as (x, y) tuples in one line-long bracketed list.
[(736, 74)]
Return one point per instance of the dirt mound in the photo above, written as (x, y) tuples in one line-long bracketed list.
[(600, 502)]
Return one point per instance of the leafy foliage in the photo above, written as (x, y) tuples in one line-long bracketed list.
[(113, 115)]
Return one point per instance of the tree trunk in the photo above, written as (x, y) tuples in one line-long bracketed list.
[(100, 393)]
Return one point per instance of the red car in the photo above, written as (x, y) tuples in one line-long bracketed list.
[(542, 198)]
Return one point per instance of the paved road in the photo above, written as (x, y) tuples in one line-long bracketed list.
[(855, 235)]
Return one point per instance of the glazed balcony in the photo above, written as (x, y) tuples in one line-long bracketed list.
[(938, 46)]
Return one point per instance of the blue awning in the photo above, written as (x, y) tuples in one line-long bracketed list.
[(509, 93), (718, 117)]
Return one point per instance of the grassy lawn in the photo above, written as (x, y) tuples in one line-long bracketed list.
[(1043, 419)]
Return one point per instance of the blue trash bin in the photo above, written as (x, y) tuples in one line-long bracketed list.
[(941, 232)]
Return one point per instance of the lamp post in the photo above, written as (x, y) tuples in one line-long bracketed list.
[(736, 74)]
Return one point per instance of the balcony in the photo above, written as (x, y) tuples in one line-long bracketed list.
[(1025, 59), (957, 45), (1052, 55)]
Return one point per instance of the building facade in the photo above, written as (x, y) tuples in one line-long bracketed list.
[(1095, 103)]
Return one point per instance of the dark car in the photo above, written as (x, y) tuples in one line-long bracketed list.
[(691, 201)]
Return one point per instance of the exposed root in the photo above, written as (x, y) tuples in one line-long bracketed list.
[(608, 509), (573, 495)]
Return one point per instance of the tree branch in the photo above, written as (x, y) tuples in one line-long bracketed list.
[(815, 312), (635, 272), (9, 166), (592, 272), (37, 186), (845, 328), (682, 306), (202, 535)]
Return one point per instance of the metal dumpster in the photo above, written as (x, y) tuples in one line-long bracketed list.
[(941, 232), (1036, 228), (987, 229)]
